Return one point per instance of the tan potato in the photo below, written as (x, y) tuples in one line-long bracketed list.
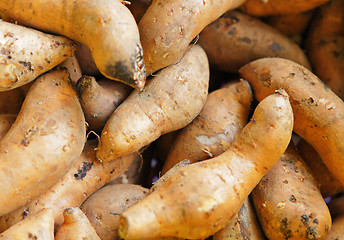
[(73, 67), (27, 53), (76, 226), (85, 177), (6, 121), (39, 226), (106, 27), (288, 201), (318, 111), (278, 7), (236, 39), (212, 132), (243, 226), (191, 202), (168, 27), (170, 101), (100, 99), (329, 185), (44, 141)]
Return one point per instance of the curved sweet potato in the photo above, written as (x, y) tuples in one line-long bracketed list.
[(106, 27), (170, 101), (318, 111), (192, 201), (44, 141)]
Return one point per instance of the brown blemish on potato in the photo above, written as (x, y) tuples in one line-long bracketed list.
[(31, 236), (275, 47), (86, 166), (265, 77), (284, 229)]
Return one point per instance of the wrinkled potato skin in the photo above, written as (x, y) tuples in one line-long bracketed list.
[(288, 201), (44, 141), (318, 111), (84, 178), (236, 39), (212, 132), (329, 185), (169, 102), (278, 7), (325, 45)]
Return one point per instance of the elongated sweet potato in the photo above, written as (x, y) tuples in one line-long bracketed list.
[(288, 201), (223, 116), (27, 53), (318, 111), (236, 39), (106, 27), (243, 226), (329, 185), (191, 202), (39, 226), (76, 226), (6, 121), (325, 40), (168, 27), (278, 7), (100, 99), (81, 180), (170, 101), (44, 141)]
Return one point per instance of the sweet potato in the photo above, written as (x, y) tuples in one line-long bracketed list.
[(329, 185), (39, 226), (76, 226), (170, 101), (73, 67), (104, 207), (6, 121), (11, 101), (325, 41), (44, 141), (288, 201), (192, 201), (236, 39), (243, 226), (168, 27), (27, 53), (106, 27), (278, 7), (100, 99), (223, 116), (82, 179), (318, 111)]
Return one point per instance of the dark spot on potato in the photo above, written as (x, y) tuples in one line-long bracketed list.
[(336, 54), (275, 47), (114, 213), (57, 43), (8, 34), (292, 198), (310, 100), (315, 221), (304, 219), (311, 233), (284, 229), (29, 135), (231, 31), (27, 65), (233, 19), (86, 166), (25, 213), (120, 71), (245, 40), (9, 57), (292, 74), (31, 236), (265, 77)]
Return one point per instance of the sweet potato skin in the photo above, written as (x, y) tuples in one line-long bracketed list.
[(288, 201), (223, 116), (191, 202), (170, 101), (167, 28), (236, 39), (44, 141), (28, 53), (317, 110), (117, 51)]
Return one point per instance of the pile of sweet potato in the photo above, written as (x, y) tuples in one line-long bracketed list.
[(170, 119)]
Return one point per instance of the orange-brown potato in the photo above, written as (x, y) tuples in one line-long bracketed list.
[(39, 226), (288, 201), (318, 111), (85, 177), (279, 7), (43, 143), (222, 118), (27, 53), (191, 202), (169, 102), (236, 39), (243, 226), (329, 185), (106, 27), (168, 27), (100, 99), (76, 226), (325, 45)]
